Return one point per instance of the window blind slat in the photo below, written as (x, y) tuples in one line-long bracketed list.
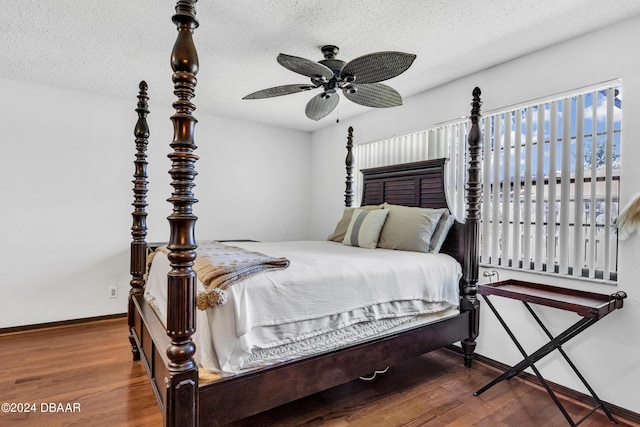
[(461, 172), (608, 185), (592, 217), (578, 249), (528, 191), (551, 190), (517, 156), (539, 222), (495, 196), (506, 189), (565, 188), (486, 195), (430, 144)]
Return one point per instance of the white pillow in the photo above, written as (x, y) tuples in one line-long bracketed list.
[(364, 228)]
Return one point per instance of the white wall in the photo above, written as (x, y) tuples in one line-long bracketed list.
[(609, 352), (67, 165)]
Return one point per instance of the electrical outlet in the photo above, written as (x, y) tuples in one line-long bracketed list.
[(113, 291)]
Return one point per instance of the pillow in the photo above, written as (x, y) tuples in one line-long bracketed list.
[(409, 228), (364, 228), (341, 228), (442, 229)]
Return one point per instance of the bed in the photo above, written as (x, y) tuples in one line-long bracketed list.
[(190, 390)]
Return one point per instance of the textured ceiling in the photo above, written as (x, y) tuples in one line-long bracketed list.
[(107, 47)]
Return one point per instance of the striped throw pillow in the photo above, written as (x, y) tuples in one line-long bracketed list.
[(364, 228)]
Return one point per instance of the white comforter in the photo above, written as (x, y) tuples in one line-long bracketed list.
[(330, 294)]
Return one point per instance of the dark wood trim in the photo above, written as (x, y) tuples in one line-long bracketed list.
[(558, 388), (61, 323)]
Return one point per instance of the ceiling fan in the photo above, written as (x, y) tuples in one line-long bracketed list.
[(359, 80)]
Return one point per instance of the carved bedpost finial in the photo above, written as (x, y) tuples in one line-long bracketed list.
[(348, 193), (469, 301), (181, 287)]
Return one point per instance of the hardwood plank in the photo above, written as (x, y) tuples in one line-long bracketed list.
[(91, 364)]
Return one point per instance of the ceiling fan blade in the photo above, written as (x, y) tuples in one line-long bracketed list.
[(279, 91), (304, 66), (375, 95), (379, 66), (321, 105)]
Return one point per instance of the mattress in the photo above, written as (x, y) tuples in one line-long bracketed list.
[(331, 295)]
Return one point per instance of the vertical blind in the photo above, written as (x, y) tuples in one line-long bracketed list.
[(550, 174), (448, 141), (551, 184)]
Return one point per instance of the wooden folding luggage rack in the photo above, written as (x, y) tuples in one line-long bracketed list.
[(590, 306)]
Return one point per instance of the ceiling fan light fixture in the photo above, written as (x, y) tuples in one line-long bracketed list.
[(329, 51), (349, 89)]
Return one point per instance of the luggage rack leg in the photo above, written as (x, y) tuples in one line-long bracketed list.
[(599, 402), (529, 361)]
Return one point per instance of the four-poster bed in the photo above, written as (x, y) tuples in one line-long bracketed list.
[(166, 346)]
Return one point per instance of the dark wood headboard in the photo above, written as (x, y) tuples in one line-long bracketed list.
[(418, 184)]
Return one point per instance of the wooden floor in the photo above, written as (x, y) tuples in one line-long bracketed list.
[(87, 372)]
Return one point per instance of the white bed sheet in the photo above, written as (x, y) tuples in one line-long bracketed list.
[(330, 295)]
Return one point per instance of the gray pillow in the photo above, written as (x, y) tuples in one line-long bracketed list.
[(409, 228), (442, 229)]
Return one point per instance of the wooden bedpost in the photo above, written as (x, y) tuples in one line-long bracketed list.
[(348, 193), (138, 251), (182, 387), (469, 300)]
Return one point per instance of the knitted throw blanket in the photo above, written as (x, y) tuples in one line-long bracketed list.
[(219, 266)]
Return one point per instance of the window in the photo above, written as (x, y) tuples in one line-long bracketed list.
[(551, 184), (551, 180)]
